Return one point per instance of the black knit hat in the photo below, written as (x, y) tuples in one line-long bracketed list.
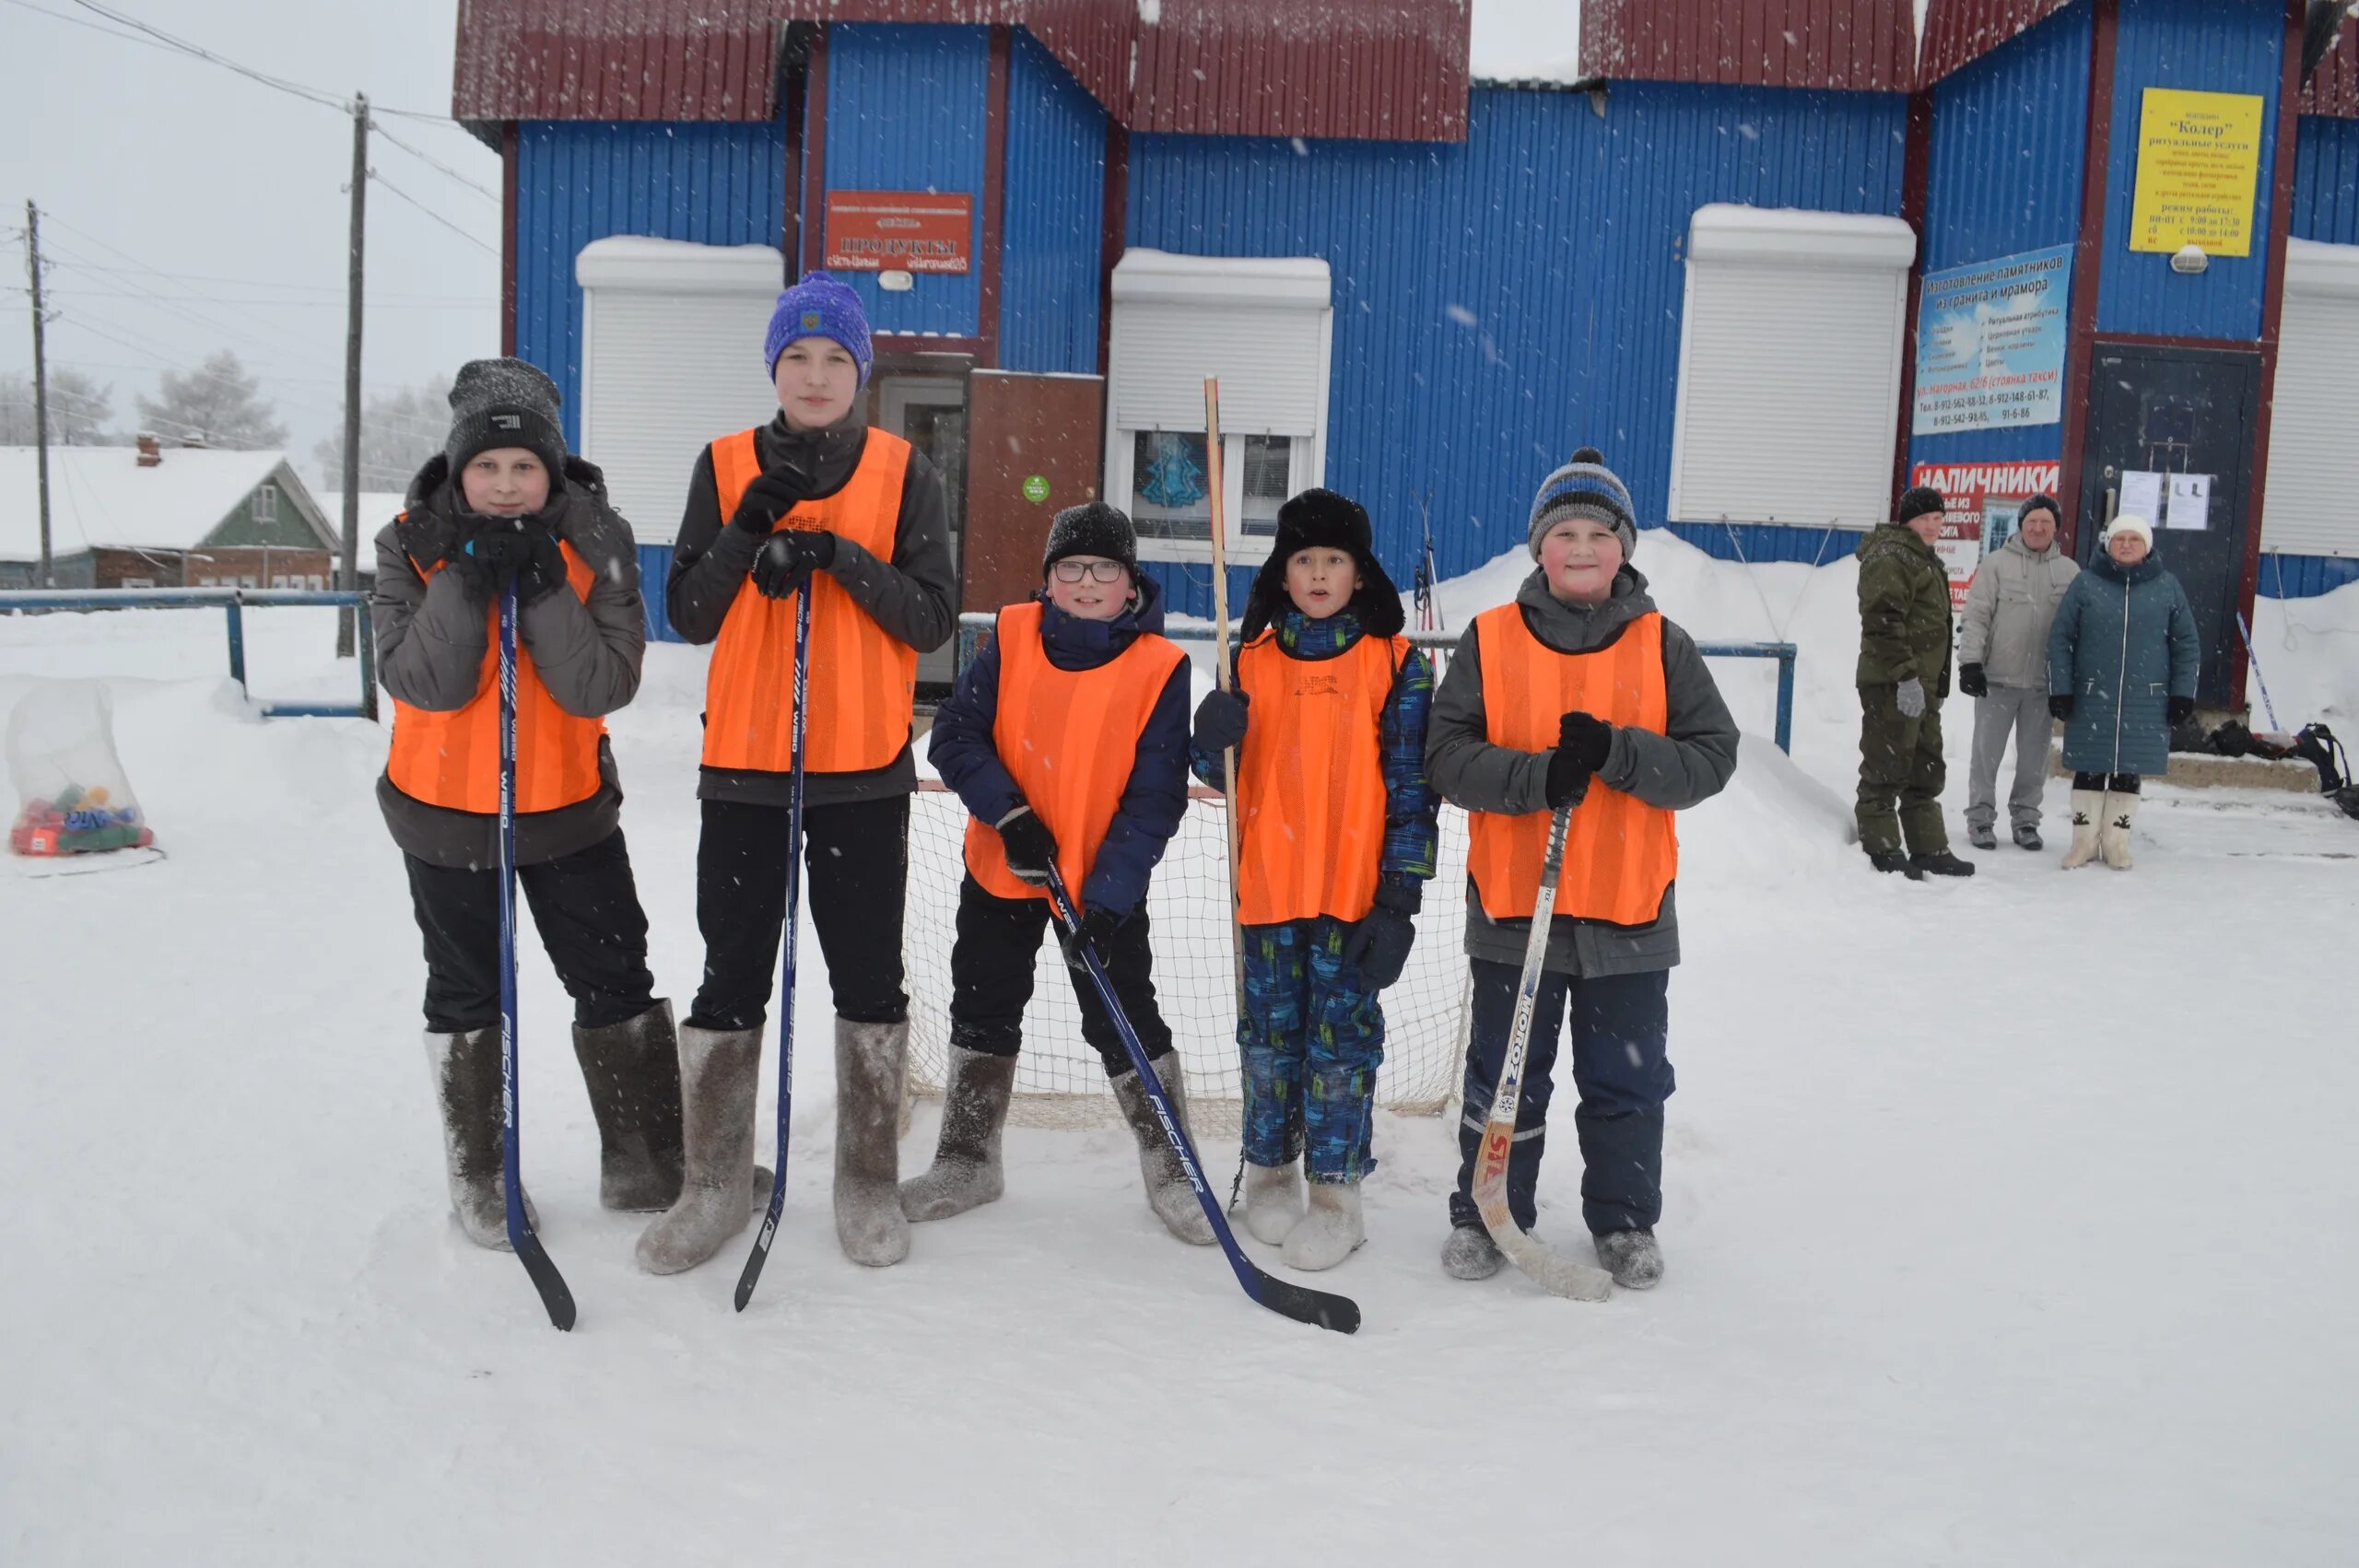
[(1092, 528), (1323, 520), (2042, 503), (1918, 499), (505, 403)]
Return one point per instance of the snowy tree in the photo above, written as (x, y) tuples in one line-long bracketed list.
[(219, 400), (78, 410), (399, 430)]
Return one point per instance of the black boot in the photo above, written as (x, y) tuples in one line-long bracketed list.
[(1940, 862), (633, 1072), (1893, 860)]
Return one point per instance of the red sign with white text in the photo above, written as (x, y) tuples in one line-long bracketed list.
[(1980, 502), (900, 231)]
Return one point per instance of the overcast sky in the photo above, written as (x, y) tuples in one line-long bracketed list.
[(159, 175)]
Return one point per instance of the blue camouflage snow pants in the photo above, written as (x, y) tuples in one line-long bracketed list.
[(1621, 1028), (1310, 1040)]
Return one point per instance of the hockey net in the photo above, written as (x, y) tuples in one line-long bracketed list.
[(1060, 1080)]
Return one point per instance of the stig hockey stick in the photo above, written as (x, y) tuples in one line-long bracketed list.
[(1551, 1270), (1339, 1312), (1213, 481), (529, 1251), (761, 1253)]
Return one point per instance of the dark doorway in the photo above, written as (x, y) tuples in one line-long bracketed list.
[(930, 412), (2177, 411)]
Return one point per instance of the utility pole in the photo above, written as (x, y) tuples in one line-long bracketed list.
[(40, 383), (348, 577)]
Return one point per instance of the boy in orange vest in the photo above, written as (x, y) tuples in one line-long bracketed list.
[(1336, 827), (503, 503), (818, 502), (1579, 693), (1067, 738)]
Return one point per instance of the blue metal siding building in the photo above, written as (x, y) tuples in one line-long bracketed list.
[(1051, 251)]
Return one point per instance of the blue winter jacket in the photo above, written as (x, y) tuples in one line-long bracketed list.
[(1157, 793), (2123, 645)]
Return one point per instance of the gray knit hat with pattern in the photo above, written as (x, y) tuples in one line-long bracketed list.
[(1584, 487)]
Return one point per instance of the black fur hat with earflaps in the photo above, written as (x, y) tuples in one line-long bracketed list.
[(1313, 519)]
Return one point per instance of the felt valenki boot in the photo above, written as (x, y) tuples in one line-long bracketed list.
[(965, 1173), (466, 1069), (2088, 814), (1332, 1231), (633, 1072), (719, 1072), (2113, 833), (1169, 1191), (871, 1061), (1273, 1200)]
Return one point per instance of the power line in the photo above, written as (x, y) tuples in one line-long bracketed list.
[(314, 95), (283, 304), (392, 188), (484, 191)]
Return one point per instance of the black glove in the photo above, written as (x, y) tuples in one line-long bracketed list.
[(1096, 934), (543, 570), (1220, 721), (2060, 707), (2182, 708), (1970, 681), (773, 493), (1583, 741), (1031, 848), (495, 549), (1378, 945), (788, 558)]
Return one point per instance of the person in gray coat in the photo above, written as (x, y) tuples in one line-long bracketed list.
[(2123, 659), (1623, 770), (2002, 665), (503, 504)]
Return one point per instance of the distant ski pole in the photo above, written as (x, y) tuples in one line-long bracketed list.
[(761, 1253), (2257, 678), (529, 1251), (1551, 1270), (1338, 1313)]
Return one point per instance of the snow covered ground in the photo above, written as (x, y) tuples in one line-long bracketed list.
[(2007, 1220)]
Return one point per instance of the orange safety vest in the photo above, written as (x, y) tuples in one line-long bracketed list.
[(863, 683), (452, 759), (1069, 738), (1620, 853), (1310, 779)]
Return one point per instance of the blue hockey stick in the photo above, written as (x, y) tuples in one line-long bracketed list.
[(529, 1251), (761, 1253), (1304, 1306)]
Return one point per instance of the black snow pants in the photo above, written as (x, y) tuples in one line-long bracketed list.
[(991, 980)]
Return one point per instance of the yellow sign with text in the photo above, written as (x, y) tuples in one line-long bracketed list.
[(2198, 161)]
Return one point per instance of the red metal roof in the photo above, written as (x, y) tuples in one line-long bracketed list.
[(1861, 45), (1233, 67), (2335, 87), (1958, 33)]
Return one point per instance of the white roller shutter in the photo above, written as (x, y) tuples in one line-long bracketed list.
[(1789, 366), (1262, 325), (671, 357), (2306, 509)]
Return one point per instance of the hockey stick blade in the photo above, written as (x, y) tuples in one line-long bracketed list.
[(752, 1272), (546, 1279), (1544, 1266), (1303, 1304)]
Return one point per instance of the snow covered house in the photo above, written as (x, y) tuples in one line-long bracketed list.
[(151, 515), (1776, 258)]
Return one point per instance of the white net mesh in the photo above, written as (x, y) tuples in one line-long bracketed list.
[(1059, 1079)]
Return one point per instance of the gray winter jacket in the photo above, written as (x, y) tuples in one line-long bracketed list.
[(430, 644), (2009, 608), (911, 596), (1688, 765)]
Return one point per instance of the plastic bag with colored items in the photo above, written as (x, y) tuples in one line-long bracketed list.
[(72, 796)]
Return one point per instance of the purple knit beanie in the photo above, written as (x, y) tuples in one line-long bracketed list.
[(819, 307)]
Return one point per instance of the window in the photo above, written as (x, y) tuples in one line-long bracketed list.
[(1789, 366), (266, 504), (2309, 429), (1264, 326)]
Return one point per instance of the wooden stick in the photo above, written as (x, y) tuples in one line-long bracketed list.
[(1214, 486)]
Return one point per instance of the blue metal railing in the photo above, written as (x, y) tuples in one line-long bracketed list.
[(233, 603), (974, 625)]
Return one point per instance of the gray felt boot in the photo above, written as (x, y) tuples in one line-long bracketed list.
[(719, 1070), (633, 1072), (871, 1062), (1333, 1229), (1471, 1254), (1273, 1200), (1169, 1191), (965, 1172), (466, 1086), (1632, 1258)]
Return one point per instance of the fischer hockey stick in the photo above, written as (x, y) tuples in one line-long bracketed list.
[(529, 1250), (1551, 1270), (769, 1233), (1304, 1306)]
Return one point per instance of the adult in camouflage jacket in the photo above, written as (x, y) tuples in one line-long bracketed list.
[(1904, 674)]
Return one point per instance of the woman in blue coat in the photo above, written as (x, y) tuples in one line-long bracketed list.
[(2123, 659)]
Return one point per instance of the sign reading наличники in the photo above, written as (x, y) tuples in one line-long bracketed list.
[(2198, 165)]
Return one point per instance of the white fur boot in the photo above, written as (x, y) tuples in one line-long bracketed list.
[(2088, 814), (1273, 1200), (1333, 1229), (2113, 837)]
